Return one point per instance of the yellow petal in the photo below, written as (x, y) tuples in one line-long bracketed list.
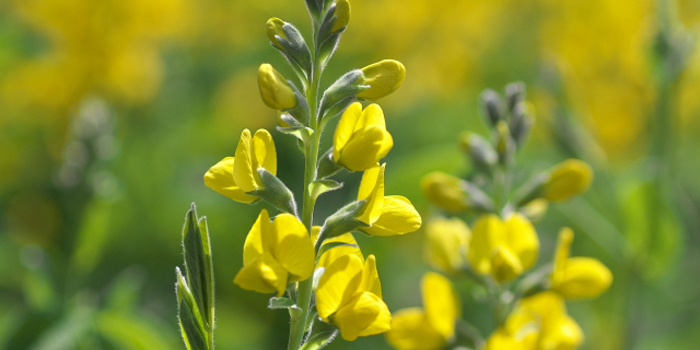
[(365, 314), (342, 15), (263, 275), (243, 171), (447, 243), (442, 304), (370, 277), (292, 247), (371, 115), (275, 91), (521, 239), (564, 335), (398, 217), (445, 191), (505, 266), (500, 339), (253, 246), (567, 179), (410, 330), (372, 190), (383, 77), (265, 153), (220, 179), (582, 278), (338, 285), (566, 237), (274, 27), (486, 235), (345, 128), (365, 148), (331, 255)]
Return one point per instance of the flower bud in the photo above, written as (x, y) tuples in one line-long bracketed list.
[(274, 28), (505, 146), (274, 89), (567, 179), (491, 107), (445, 191), (578, 277), (479, 150), (383, 78), (515, 93), (361, 139), (342, 15)]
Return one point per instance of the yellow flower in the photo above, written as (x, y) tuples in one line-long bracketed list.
[(333, 254), (383, 78), (274, 89), (503, 249), (342, 15), (447, 244), (385, 215), (579, 277), (445, 191), (433, 326), (539, 322), (372, 191), (567, 179), (275, 253), (349, 296), (273, 28), (361, 139), (233, 177)]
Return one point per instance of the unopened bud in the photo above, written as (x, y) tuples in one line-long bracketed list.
[(515, 93), (274, 28), (479, 150), (491, 107), (383, 78), (566, 180), (274, 89), (342, 15), (505, 146)]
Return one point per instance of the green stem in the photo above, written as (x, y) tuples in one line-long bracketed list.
[(305, 290)]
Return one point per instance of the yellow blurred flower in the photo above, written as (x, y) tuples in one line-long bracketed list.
[(539, 322), (567, 179), (349, 296), (361, 138), (447, 243), (445, 191), (274, 89), (503, 249), (432, 327), (579, 277), (383, 78), (275, 253), (234, 176)]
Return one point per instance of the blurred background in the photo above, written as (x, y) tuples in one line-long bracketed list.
[(111, 111)]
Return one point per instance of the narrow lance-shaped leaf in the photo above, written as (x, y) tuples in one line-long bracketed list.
[(191, 325), (208, 274), (195, 268)]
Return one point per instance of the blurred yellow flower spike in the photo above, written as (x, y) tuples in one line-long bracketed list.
[(372, 191), (383, 78), (274, 89), (503, 249), (274, 28), (567, 179), (342, 15), (579, 277), (333, 254), (275, 253), (539, 322), (445, 191), (234, 176), (432, 327), (447, 243), (349, 296), (361, 138), (398, 217)]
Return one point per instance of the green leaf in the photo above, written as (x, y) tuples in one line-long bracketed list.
[(208, 273), (320, 187), (195, 265), (191, 323), (281, 303), (301, 132), (321, 335)]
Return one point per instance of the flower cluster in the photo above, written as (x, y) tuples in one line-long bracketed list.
[(318, 272), (502, 246)]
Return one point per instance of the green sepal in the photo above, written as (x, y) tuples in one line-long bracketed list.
[(301, 132), (301, 112), (320, 187), (321, 334), (326, 167), (341, 94), (295, 51), (531, 190), (315, 7), (342, 221), (328, 40), (281, 303), (275, 192), (478, 199)]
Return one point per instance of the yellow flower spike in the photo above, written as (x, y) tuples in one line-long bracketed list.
[(578, 277), (432, 327), (342, 15), (273, 28), (220, 179), (398, 217), (447, 244), (372, 191), (383, 78), (445, 191), (361, 139), (566, 180), (503, 249), (274, 89), (275, 253), (251, 154), (349, 297)]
